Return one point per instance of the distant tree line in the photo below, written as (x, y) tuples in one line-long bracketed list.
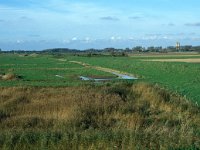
[(186, 48), (111, 51)]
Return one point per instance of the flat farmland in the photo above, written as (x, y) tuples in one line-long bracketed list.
[(178, 73), (44, 71), (180, 76), (45, 105)]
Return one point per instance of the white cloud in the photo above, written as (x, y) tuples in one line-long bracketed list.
[(112, 38), (74, 39), (20, 41)]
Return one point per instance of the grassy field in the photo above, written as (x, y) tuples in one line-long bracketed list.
[(44, 104), (180, 77), (44, 71)]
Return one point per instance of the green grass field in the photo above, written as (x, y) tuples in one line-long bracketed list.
[(45, 105), (180, 77), (43, 71)]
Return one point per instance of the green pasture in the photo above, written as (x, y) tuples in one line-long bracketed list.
[(111, 116), (180, 77), (44, 71)]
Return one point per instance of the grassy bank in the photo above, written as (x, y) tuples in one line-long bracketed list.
[(112, 116)]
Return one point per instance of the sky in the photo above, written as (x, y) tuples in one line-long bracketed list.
[(83, 24)]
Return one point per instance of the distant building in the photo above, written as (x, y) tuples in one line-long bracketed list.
[(178, 46)]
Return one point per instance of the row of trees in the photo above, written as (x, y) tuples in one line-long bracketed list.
[(185, 48), (161, 49), (157, 49)]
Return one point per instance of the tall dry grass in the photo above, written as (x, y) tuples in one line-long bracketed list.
[(114, 117)]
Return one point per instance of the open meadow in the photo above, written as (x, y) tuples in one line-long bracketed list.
[(43, 70), (44, 104), (173, 72)]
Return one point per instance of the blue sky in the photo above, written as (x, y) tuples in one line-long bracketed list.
[(40, 24)]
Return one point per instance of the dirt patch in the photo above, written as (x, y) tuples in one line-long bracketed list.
[(191, 60)]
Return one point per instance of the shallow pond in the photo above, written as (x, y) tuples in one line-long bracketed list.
[(119, 76)]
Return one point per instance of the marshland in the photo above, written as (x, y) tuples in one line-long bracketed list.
[(39, 110)]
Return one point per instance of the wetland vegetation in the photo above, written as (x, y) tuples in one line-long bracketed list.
[(45, 105)]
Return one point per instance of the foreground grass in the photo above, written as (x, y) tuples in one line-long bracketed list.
[(116, 116)]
